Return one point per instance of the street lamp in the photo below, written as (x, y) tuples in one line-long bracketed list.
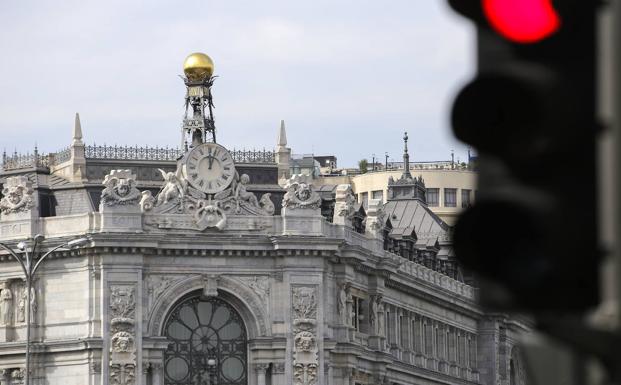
[(30, 263)]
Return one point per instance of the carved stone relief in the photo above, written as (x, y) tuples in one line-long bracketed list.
[(122, 374), (17, 195), (343, 294), (122, 332), (375, 218), (301, 194), (229, 284), (344, 205), (156, 285), (202, 211), (305, 350), (259, 284), (6, 307), (120, 189)]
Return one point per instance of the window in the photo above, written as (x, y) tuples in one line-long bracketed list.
[(364, 197), (358, 314), (450, 197), (200, 329), (377, 194), (433, 197), (465, 198)]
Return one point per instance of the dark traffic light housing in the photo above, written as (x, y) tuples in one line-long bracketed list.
[(531, 114)]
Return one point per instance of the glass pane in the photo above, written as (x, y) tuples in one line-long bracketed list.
[(188, 317), (232, 368), (177, 368), (179, 331), (230, 331), (204, 310), (220, 317)]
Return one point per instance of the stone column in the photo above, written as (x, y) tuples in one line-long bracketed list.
[(406, 332), (261, 369), (278, 373), (157, 375), (145, 372), (393, 325)]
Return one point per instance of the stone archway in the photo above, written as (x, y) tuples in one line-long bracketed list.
[(246, 302)]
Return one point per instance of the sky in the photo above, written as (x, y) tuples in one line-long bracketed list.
[(347, 76)]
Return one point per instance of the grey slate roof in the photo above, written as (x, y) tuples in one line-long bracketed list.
[(412, 218)]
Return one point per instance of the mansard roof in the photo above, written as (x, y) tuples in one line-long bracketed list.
[(412, 218)]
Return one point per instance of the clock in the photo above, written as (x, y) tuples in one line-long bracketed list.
[(209, 168)]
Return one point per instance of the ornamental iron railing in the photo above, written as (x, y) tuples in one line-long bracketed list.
[(25, 161)]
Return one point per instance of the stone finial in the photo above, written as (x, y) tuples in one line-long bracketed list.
[(406, 157), (77, 131), (344, 205), (18, 195), (282, 135)]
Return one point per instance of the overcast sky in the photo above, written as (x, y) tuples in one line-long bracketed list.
[(347, 76)]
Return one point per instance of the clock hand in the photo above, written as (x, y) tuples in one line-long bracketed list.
[(210, 161)]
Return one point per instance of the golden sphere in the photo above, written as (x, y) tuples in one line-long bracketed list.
[(198, 67)]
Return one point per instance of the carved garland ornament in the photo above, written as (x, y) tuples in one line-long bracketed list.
[(305, 350), (122, 346)]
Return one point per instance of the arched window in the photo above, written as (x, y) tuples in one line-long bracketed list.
[(207, 344)]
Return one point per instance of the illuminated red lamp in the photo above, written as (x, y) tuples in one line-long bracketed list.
[(522, 21)]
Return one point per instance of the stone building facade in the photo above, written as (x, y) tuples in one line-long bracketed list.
[(246, 283)]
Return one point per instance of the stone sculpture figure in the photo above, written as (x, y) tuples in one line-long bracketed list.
[(380, 317), (18, 195), (173, 188), (147, 201), (342, 304), (21, 306), (266, 204), (7, 305), (33, 304), (373, 315), (242, 194)]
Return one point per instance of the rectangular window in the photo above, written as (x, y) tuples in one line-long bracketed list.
[(358, 314), (365, 200), (465, 198), (433, 197), (377, 194), (450, 197)]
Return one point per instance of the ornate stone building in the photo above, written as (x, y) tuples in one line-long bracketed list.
[(202, 269)]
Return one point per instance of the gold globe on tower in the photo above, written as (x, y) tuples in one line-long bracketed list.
[(198, 67)]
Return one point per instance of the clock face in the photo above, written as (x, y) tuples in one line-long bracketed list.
[(209, 168)]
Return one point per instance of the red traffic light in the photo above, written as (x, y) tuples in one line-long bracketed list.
[(522, 21)]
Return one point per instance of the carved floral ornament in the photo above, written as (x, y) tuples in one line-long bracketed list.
[(18, 195), (120, 189), (300, 193)]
